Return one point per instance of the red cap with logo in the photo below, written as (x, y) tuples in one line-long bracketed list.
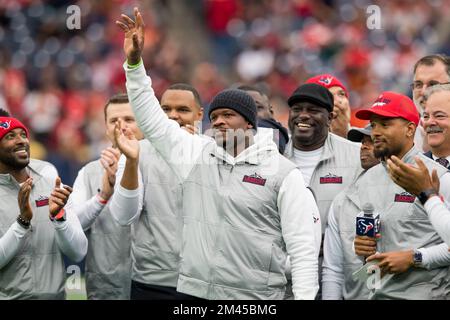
[(8, 124), (391, 105), (327, 81)]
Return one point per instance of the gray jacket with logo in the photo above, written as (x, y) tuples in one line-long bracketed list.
[(345, 212), (219, 234), (37, 271), (108, 261), (338, 167), (404, 225), (158, 232), (241, 214)]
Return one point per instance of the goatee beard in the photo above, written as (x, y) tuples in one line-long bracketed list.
[(382, 154), (14, 164)]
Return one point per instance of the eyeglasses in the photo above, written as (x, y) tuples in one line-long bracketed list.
[(417, 85)]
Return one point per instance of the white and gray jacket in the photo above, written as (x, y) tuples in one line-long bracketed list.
[(155, 210), (31, 263), (404, 225), (439, 215), (337, 168), (108, 260), (242, 215), (340, 260)]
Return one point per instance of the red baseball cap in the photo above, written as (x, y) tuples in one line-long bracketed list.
[(391, 105), (328, 81), (8, 124)]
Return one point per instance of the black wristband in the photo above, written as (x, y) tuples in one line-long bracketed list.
[(426, 194), (23, 222)]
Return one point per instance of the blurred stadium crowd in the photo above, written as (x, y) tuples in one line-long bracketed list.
[(57, 80)]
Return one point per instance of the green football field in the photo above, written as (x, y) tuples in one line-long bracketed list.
[(77, 294)]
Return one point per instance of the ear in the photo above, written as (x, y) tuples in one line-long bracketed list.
[(200, 114), (410, 130), (249, 126), (331, 115)]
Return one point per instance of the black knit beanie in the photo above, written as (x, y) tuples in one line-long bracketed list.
[(237, 100)]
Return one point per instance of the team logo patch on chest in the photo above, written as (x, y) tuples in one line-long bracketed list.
[(331, 179), (404, 197), (41, 201), (254, 179)]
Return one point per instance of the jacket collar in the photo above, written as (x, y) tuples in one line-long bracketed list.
[(327, 148), (410, 155), (262, 147)]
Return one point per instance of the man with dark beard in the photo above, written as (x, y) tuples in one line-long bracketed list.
[(406, 272), (31, 264), (47, 169)]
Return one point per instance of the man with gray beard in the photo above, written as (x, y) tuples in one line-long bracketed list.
[(436, 123)]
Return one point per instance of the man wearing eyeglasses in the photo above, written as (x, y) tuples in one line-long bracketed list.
[(428, 71)]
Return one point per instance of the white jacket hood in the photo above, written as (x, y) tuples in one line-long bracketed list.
[(263, 147)]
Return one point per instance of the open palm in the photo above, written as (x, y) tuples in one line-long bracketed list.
[(134, 31), (126, 141)]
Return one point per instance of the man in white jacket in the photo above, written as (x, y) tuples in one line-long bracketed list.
[(108, 260), (34, 227), (245, 206), (157, 213), (339, 259)]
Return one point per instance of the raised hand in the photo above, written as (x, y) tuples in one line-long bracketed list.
[(24, 200), (126, 141), (134, 36), (109, 161), (58, 197)]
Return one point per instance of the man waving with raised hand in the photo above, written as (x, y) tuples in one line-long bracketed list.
[(245, 207)]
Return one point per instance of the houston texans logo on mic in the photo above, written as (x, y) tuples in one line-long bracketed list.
[(364, 227)]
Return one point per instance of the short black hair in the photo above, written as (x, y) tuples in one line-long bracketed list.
[(116, 99), (431, 59), (4, 113), (187, 87)]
